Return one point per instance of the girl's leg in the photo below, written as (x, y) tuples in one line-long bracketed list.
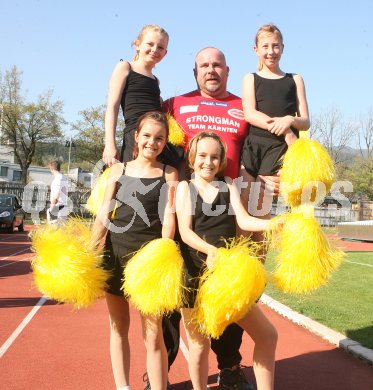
[(156, 354), (264, 335), (248, 181), (245, 196), (199, 347), (258, 203), (119, 345)]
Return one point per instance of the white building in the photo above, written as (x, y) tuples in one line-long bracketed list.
[(10, 172), (6, 153)]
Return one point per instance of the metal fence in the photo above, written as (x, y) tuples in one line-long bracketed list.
[(361, 230), (37, 195), (331, 215)]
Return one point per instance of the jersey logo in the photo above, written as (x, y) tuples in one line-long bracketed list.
[(235, 113), (212, 103), (185, 109)]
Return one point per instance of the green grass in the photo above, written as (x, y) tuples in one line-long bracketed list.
[(345, 304)]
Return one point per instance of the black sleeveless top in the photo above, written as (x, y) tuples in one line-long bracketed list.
[(141, 94), (276, 98), (211, 222), (139, 213)]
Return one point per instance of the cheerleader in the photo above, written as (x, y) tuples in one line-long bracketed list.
[(204, 214), (135, 191)]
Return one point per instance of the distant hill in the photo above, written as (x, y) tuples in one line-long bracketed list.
[(355, 152), (348, 154)]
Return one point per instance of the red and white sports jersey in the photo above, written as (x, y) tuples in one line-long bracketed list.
[(222, 116)]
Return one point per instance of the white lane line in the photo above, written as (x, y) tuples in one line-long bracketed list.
[(15, 262), (16, 253), (184, 349), (354, 262), (22, 326)]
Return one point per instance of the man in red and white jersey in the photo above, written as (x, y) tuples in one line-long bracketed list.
[(211, 107)]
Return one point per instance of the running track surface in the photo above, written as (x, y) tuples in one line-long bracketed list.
[(45, 345)]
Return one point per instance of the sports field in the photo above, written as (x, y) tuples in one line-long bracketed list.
[(47, 346)]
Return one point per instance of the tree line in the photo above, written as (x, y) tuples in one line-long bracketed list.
[(30, 128)]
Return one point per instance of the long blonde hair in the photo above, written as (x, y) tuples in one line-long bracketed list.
[(267, 29), (152, 27)]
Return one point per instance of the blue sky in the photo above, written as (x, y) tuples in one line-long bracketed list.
[(72, 46)]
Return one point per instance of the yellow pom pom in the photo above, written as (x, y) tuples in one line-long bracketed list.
[(65, 267), (306, 258), (96, 199), (153, 278), (176, 134), (229, 289), (307, 173), (304, 134)]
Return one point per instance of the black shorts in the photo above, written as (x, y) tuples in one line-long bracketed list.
[(172, 155), (192, 286), (194, 267), (128, 146), (262, 155), (115, 259)]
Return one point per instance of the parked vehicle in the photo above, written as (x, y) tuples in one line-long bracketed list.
[(11, 213)]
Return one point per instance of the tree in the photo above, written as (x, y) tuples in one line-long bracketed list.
[(361, 176), (89, 142), (24, 124), (366, 135), (334, 133)]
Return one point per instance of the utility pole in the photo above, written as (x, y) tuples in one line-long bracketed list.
[(68, 164), (1, 122), (69, 144)]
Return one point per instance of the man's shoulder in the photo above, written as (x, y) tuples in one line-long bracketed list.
[(232, 96), (193, 93), (194, 98), (175, 102), (197, 94), (187, 95)]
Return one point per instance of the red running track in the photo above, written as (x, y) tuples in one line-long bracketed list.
[(353, 246), (62, 348)]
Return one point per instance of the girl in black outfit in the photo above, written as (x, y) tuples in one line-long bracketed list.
[(134, 87), (136, 190), (204, 219), (275, 105)]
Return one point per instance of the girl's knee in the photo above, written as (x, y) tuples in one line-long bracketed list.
[(271, 336), (152, 333), (200, 350), (153, 340), (261, 331), (199, 355), (153, 344), (119, 325)]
